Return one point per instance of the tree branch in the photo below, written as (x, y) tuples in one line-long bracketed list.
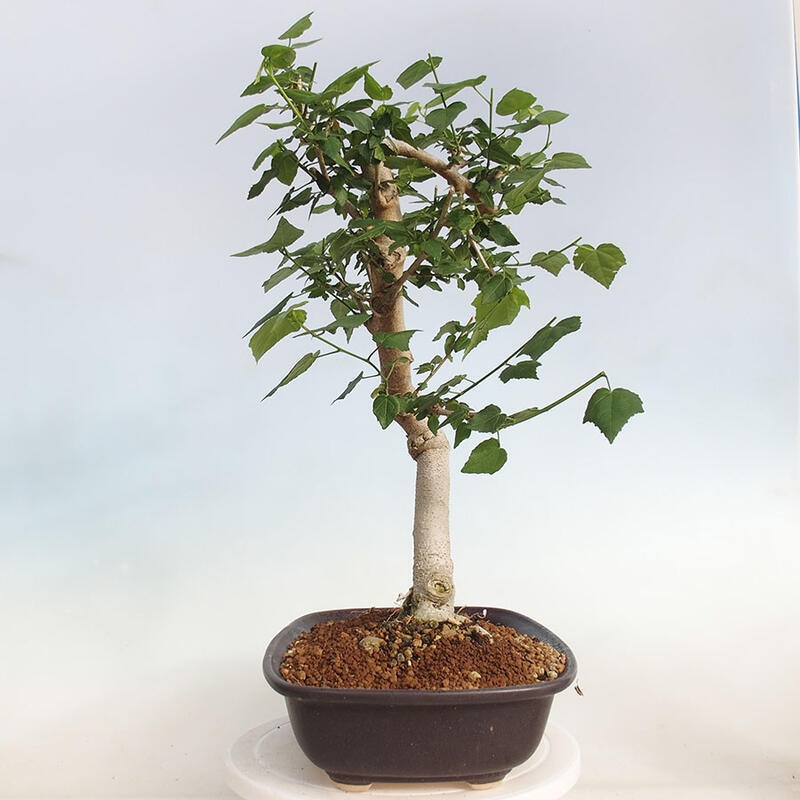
[(394, 290), (447, 171), (318, 176), (476, 249), (437, 229)]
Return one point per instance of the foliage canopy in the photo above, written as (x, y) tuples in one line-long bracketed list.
[(463, 178)]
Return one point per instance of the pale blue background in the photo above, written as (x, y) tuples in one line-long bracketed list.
[(158, 523)]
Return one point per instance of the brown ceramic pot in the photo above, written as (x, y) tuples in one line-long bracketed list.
[(361, 736)]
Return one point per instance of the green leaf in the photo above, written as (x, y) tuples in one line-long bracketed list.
[(442, 118), (386, 407), (601, 263), (275, 329), (276, 126), (488, 420), (277, 277), (610, 410), (398, 341), (546, 337), (271, 313), (298, 29), (299, 45), (433, 247), (350, 386), (524, 369), (348, 322), (553, 261), (495, 314), (245, 119), (516, 198), (463, 432), (423, 405), (284, 165), (298, 369), (567, 161), (550, 117), (486, 458), (461, 219), (453, 326), (501, 235), (353, 321), (261, 184), (339, 309), (279, 56), (417, 71), (292, 200), (495, 289), (450, 383), (502, 151), (302, 97), (265, 153), (447, 90), (259, 85), (285, 234), (513, 101), (361, 104), (359, 120), (332, 147), (347, 80), (375, 90)]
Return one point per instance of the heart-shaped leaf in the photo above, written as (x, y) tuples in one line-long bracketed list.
[(610, 410), (386, 407), (486, 458)]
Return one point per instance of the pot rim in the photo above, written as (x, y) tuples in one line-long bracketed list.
[(404, 697)]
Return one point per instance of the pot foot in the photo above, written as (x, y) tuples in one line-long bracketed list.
[(486, 781), (346, 784)]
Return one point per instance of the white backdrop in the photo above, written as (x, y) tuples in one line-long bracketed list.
[(158, 526)]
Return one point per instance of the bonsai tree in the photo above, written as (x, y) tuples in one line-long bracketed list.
[(419, 194)]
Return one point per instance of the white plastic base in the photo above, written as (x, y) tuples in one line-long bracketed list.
[(267, 764)]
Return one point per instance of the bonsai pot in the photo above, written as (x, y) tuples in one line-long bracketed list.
[(361, 736)]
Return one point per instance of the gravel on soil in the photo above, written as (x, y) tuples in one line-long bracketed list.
[(379, 649)]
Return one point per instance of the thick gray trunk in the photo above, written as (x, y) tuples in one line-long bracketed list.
[(433, 590)]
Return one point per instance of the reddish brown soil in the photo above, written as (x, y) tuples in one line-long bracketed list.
[(379, 650)]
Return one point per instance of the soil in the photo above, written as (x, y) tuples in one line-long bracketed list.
[(381, 650)]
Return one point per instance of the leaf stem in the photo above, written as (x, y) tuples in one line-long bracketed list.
[(535, 412), (489, 374), (477, 252), (529, 263), (457, 149), (261, 69), (491, 123), (361, 301), (339, 349), (575, 391), (300, 118)]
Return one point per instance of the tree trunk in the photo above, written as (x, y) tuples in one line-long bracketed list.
[(433, 591), (432, 594)]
